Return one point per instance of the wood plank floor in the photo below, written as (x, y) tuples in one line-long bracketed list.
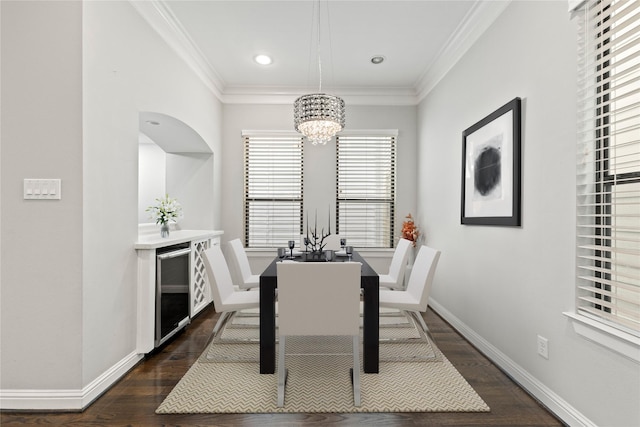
[(133, 400)]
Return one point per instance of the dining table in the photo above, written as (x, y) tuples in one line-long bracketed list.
[(370, 284)]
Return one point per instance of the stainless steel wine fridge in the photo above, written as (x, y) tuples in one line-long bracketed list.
[(173, 275)]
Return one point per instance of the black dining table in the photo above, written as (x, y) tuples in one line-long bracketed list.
[(370, 284)]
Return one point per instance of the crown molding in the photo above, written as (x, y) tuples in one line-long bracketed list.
[(475, 23), (574, 5), (159, 16), (287, 95)]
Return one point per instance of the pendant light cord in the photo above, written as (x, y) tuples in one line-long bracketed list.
[(319, 56)]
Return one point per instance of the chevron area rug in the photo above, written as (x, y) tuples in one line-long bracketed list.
[(414, 375)]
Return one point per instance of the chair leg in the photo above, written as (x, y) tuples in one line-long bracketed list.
[(356, 370), (221, 320), (418, 316), (281, 371)]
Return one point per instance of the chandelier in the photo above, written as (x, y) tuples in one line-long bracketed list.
[(318, 116)]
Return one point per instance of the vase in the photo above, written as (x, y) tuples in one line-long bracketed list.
[(164, 230)]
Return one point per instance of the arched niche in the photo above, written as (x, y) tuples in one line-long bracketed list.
[(174, 159)]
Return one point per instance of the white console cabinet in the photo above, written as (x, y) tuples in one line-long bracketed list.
[(200, 289), (200, 294)]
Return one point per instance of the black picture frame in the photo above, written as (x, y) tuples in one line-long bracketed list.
[(491, 169)]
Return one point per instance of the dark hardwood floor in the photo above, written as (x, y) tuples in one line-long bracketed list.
[(133, 400)]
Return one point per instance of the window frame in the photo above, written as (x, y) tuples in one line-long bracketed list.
[(388, 201), (255, 137), (598, 178)]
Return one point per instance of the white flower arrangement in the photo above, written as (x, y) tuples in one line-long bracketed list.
[(166, 210)]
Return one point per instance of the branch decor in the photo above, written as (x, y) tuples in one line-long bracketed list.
[(316, 241)]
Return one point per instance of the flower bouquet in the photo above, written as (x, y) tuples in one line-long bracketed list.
[(410, 230), (166, 210)]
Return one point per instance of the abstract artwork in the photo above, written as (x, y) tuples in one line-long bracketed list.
[(491, 168)]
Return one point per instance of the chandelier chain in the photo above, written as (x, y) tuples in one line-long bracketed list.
[(319, 52)]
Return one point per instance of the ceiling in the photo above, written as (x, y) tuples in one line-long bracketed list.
[(420, 41)]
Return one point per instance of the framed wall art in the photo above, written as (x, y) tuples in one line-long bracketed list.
[(491, 169)]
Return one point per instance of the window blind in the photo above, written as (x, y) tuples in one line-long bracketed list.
[(273, 190), (365, 190), (608, 163)]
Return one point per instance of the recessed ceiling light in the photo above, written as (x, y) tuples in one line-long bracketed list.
[(378, 59), (263, 59)]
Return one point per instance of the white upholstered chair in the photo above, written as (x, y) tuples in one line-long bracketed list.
[(414, 299), (318, 299), (226, 299), (333, 242), (249, 280), (394, 279)]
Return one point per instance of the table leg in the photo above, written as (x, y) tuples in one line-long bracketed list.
[(371, 324), (267, 326)]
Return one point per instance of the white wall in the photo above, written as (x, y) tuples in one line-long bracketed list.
[(128, 69), (190, 178), (75, 76), (319, 166), (186, 177), (319, 160), (41, 259), (152, 177), (504, 286)]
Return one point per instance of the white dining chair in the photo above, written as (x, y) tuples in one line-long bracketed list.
[(394, 279), (248, 279), (415, 298), (226, 300), (332, 242), (318, 299)]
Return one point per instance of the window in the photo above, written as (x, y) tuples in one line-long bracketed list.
[(608, 164), (365, 189), (273, 190)]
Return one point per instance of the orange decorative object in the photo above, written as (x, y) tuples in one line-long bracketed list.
[(409, 230)]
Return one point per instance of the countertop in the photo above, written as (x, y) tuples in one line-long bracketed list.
[(154, 241)]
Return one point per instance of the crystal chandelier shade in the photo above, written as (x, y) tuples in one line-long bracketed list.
[(318, 116)]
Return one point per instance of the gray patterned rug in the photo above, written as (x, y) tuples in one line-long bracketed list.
[(414, 375)]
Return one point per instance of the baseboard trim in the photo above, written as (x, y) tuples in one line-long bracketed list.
[(554, 403), (67, 400)]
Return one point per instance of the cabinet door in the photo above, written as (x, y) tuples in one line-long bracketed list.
[(200, 290)]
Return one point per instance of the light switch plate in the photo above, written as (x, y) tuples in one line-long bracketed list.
[(42, 189)]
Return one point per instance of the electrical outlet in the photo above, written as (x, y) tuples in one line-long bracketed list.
[(543, 347)]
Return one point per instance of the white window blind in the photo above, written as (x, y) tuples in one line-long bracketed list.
[(273, 190), (608, 163), (365, 194)]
